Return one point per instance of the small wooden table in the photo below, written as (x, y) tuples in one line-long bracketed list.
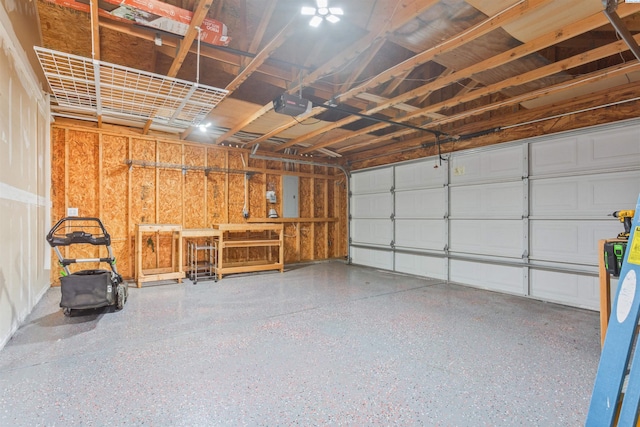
[(173, 272)]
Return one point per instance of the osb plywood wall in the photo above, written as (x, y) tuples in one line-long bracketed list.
[(127, 179)]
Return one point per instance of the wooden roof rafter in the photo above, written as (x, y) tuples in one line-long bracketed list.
[(395, 83), (95, 52), (530, 76), (545, 117), (454, 66), (501, 18), (200, 12), (248, 70), (269, 8), (293, 121), (420, 99), (395, 135), (262, 56), (408, 9), (571, 30), (95, 30), (364, 63), (171, 41), (313, 53), (624, 68)]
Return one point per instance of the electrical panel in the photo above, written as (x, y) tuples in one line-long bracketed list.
[(290, 207)]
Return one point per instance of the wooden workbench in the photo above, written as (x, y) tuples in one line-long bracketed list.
[(230, 237), (226, 235)]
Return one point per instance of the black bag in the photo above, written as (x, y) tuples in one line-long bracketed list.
[(87, 289)]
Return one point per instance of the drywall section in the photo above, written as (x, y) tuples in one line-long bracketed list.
[(127, 179), (24, 185)]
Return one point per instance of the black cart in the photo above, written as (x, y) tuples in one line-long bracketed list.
[(86, 288)]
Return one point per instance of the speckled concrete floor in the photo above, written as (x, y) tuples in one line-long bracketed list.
[(321, 344)]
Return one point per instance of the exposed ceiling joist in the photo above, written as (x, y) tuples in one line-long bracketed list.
[(513, 54), (444, 65), (200, 12), (269, 8), (505, 16), (408, 9)]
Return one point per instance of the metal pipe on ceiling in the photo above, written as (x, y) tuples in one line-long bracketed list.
[(610, 7)]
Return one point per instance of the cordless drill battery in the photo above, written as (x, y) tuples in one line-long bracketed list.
[(613, 257)]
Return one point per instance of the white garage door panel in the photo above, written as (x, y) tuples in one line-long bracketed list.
[(554, 196), (570, 241), (421, 234), (372, 258), (422, 265), (377, 180), (372, 205), (487, 166), (584, 195), (498, 237), (429, 203), (488, 200), (573, 289), (419, 175), (489, 276), (556, 155), (610, 148), (373, 231), (619, 147)]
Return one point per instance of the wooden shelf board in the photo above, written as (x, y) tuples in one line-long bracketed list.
[(290, 220), (249, 268), (248, 227), (248, 243)]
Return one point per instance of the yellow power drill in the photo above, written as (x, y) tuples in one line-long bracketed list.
[(625, 218)]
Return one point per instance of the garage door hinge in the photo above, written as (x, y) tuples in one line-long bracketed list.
[(392, 189), (392, 244), (393, 217), (525, 254)]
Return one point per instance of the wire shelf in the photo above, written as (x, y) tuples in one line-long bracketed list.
[(112, 90)]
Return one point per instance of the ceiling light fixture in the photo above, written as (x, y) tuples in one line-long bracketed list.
[(322, 12), (203, 127)]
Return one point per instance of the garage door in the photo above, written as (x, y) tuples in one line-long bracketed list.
[(488, 218), (420, 238), (575, 182), (522, 218), (371, 208)]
